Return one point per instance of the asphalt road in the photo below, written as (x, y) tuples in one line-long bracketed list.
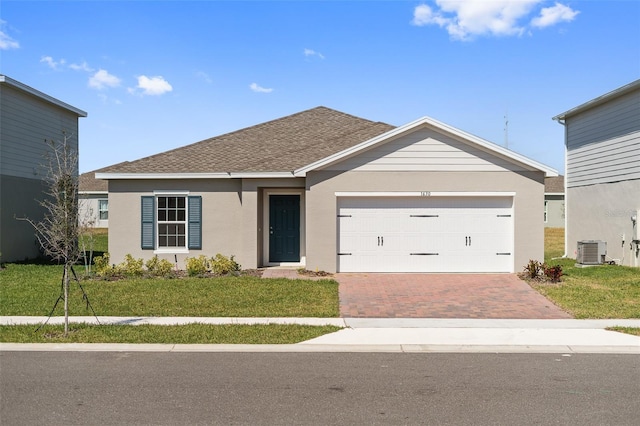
[(58, 388)]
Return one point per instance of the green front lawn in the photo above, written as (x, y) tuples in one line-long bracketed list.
[(604, 291), (32, 290)]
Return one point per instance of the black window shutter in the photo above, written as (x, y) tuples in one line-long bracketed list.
[(148, 225), (195, 223)]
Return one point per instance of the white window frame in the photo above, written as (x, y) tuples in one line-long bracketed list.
[(546, 211), (100, 210), (157, 222)]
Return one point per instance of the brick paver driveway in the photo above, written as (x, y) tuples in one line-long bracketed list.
[(442, 296)]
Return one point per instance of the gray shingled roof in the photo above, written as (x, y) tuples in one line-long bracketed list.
[(554, 185), (281, 145), (87, 182)]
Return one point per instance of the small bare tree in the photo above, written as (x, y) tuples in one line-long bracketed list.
[(57, 232)]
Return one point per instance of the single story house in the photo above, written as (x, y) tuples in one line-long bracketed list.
[(554, 202), (602, 138), (93, 201), (28, 118), (329, 191)]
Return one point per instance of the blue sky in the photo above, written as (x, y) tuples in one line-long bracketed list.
[(158, 75)]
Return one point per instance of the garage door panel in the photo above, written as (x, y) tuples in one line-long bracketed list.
[(445, 234)]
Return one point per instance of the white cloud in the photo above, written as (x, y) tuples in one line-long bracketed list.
[(51, 63), (258, 89), (81, 67), (466, 19), (6, 41), (553, 15), (204, 76), (102, 79), (311, 52), (153, 86)]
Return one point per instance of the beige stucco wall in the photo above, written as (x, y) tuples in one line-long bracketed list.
[(222, 217), (232, 216), (603, 212), (321, 205)]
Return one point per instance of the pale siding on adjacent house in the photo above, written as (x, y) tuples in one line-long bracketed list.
[(603, 143), (607, 121), (426, 150), (27, 118), (609, 161), (27, 121)]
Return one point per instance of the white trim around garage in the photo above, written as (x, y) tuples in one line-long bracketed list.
[(401, 232), (425, 194)]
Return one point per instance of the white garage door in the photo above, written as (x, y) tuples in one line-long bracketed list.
[(425, 234)]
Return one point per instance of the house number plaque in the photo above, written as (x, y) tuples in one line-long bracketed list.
[(425, 193)]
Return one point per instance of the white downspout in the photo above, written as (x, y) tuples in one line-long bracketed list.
[(566, 194)]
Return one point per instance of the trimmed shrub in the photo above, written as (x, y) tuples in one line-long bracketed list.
[(197, 266), (157, 267), (222, 265), (101, 264), (131, 267)]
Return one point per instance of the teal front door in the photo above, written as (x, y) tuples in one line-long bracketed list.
[(284, 228)]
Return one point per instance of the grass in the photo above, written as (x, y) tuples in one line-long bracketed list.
[(605, 291), (628, 330), (100, 237), (32, 290), (182, 334), (553, 243)]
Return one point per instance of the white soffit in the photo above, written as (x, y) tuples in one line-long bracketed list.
[(437, 125)]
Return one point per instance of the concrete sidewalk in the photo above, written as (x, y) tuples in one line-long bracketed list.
[(386, 335)]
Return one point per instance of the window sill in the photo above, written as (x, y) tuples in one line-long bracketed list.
[(176, 250)]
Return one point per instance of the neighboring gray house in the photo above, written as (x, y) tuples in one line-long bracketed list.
[(28, 117), (602, 139), (325, 190), (554, 202)]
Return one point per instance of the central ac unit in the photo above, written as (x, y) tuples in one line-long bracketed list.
[(591, 252)]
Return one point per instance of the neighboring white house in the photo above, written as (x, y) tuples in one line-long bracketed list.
[(28, 117), (602, 138), (93, 201), (325, 190), (554, 202)]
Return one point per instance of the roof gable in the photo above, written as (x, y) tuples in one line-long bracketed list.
[(487, 152)]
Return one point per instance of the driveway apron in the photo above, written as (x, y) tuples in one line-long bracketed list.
[(368, 295)]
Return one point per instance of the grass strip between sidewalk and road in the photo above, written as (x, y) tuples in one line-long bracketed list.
[(166, 334)]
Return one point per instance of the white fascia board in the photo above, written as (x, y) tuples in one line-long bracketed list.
[(92, 192), (425, 194), (598, 101), (261, 175), (428, 121), (21, 86), (554, 193), (114, 176), (247, 175)]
